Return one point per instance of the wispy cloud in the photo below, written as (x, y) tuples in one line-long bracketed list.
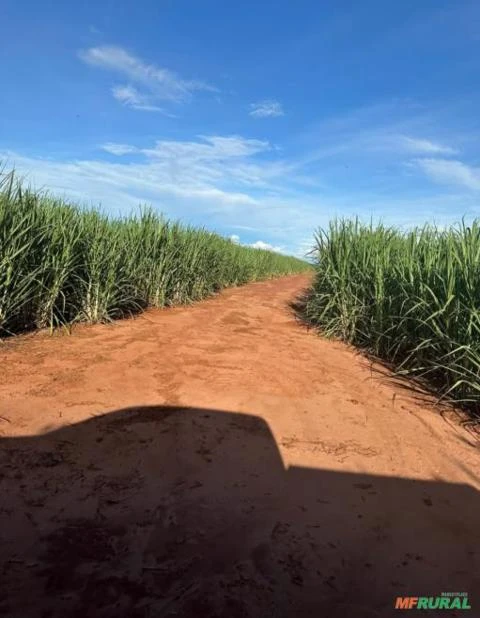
[(266, 109), (211, 169), (419, 145), (207, 148), (451, 172), (383, 141), (118, 149), (158, 84), (131, 97), (380, 131), (213, 162)]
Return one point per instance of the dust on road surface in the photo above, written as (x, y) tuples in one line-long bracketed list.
[(222, 460)]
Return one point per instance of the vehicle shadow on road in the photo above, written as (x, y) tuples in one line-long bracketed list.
[(172, 511)]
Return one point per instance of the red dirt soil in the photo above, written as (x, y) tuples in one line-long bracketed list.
[(222, 460)]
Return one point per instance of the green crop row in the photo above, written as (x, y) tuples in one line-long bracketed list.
[(411, 298), (61, 264)]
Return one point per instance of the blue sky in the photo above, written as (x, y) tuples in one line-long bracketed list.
[(260, 120)]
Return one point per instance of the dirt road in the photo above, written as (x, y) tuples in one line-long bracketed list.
[(221, 460)]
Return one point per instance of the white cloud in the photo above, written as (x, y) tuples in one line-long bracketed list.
[(451, 172), (211, 170), (418, 145), (260, 244), (210, 148), (266, 109), (159, 84), (131, 97), (118, 149)]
